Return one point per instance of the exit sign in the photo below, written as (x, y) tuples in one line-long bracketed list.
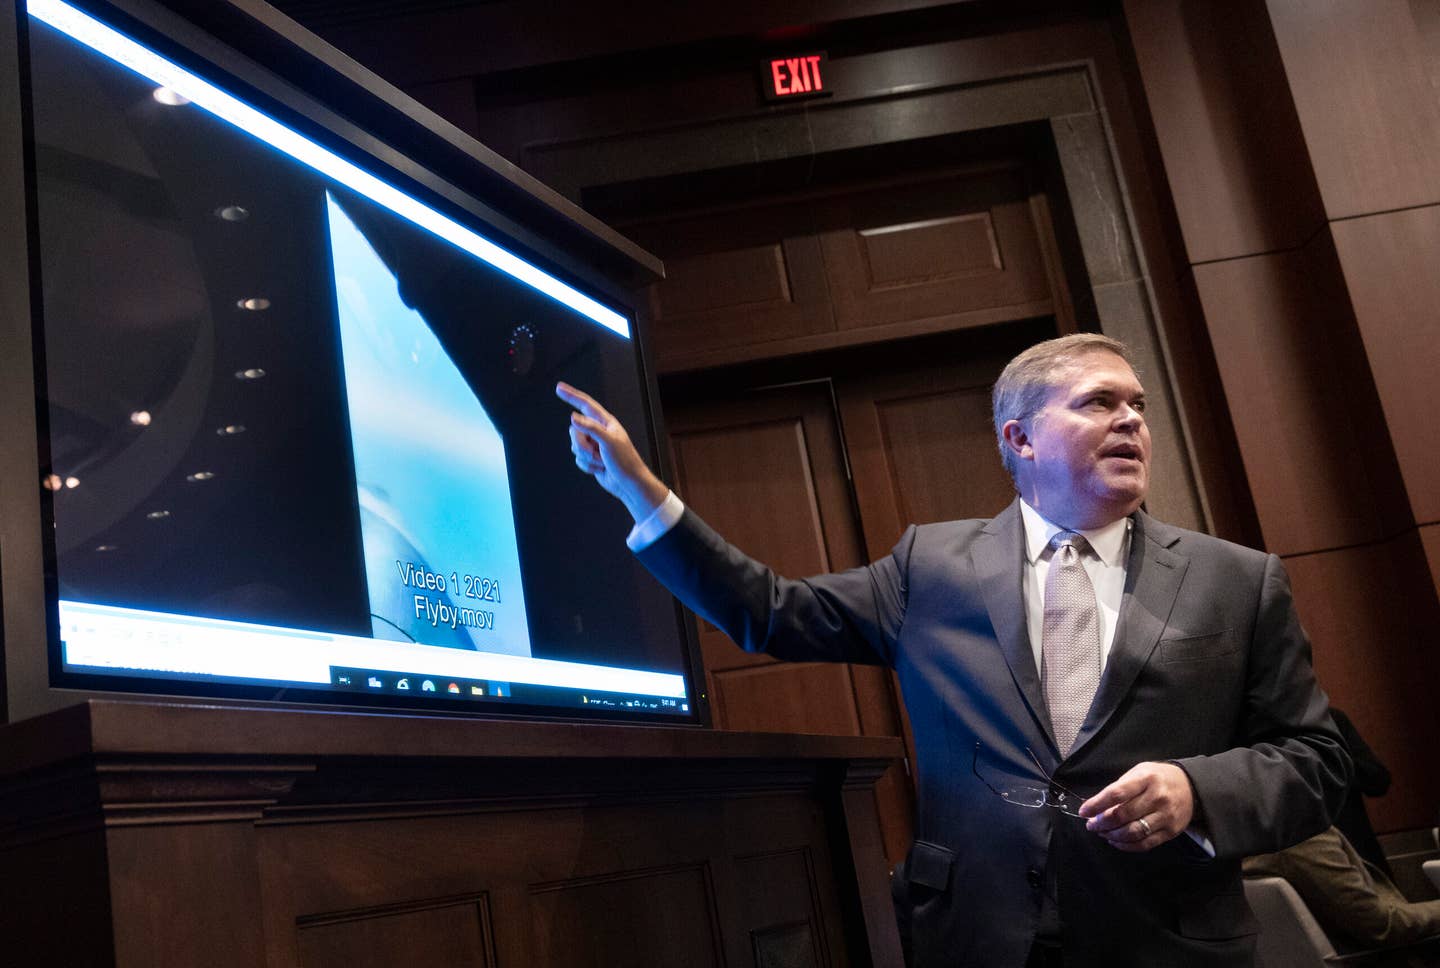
[(794, 77)]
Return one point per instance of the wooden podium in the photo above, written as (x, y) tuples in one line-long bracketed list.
[(160, 835)]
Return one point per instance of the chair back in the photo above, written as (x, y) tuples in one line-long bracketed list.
[(1290, 937)]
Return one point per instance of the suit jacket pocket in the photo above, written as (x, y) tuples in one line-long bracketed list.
[(929, 865), (1197, 648), (1219, 917)]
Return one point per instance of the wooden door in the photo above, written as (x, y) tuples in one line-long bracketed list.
[(774, 472), (767, 469), (922, 445), (767, 472), (826, 365)]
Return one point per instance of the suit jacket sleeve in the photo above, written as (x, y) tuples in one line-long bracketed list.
[(849, 616), (1289, 781)]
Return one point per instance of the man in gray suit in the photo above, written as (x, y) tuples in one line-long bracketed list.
[(1109, 712)]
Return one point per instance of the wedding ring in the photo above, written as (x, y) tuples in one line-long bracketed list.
[(1144, 825)]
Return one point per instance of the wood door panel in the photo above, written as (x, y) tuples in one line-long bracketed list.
[(941, 452), (754, 483), (789, 916), (928, 251), (735, 278), (940, 248), (875, 693), (785, 946), (768, 474), (772, 879), (922, 447), (787, 698), (657, 917), (448, 933)]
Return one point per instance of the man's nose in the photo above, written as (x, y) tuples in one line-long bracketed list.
[(1128, 416)]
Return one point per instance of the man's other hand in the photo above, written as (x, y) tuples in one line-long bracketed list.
[(603, 450), (1157, 793)]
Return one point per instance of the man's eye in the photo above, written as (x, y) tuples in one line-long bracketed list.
[(1138, 406)]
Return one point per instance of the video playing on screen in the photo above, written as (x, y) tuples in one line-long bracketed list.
[(442, 562), (301, 427)]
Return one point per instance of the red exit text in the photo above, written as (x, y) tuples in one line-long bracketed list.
[(792, 77)]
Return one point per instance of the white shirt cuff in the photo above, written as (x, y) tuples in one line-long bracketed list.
[(653, 528)]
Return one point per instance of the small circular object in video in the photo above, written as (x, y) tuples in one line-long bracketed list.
[(521, 351)]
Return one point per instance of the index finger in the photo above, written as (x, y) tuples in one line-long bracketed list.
[(581, 401), (1121, 791)]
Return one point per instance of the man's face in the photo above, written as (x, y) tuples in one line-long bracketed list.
[(1085, 460)]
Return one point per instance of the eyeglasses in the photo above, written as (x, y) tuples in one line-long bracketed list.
[(1023, 795)]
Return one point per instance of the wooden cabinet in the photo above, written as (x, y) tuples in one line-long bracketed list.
[(142, 834)]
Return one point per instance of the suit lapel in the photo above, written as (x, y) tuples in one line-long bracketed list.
[(997, 556), (1152, 582)]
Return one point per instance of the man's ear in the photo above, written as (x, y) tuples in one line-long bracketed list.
[(1017, 439)]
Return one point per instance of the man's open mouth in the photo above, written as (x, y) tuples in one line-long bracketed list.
[(1125, 451)]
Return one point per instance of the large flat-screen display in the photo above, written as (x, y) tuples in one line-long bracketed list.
[(297, 429)]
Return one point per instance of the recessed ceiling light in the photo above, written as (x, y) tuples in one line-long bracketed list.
[(72, 482), (230, 430), (254, 373), (328, 164), (168, 97), (253, 303), (140, 418), (200, 476), (106, 547), (52, 482), (158, 515), (232, 213)]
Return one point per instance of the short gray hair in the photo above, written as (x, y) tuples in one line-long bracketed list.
[(1027, 380)]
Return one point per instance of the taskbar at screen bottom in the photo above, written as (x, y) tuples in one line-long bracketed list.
[(461, 692)]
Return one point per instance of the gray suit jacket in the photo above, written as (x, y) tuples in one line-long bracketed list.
[(1209, 669)]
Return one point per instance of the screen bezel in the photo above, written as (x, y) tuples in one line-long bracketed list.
[(611, 271)]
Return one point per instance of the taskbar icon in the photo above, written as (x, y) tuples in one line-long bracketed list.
[(390, 682)]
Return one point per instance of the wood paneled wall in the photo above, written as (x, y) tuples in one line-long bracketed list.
[(953, 250), (588, 112), (1301, 142), (1272, 225)]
